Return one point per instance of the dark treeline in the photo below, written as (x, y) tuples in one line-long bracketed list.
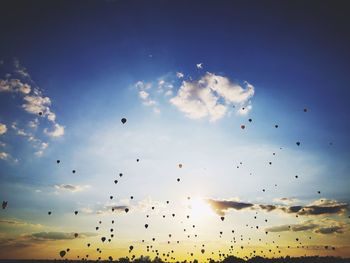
[(230, 259)]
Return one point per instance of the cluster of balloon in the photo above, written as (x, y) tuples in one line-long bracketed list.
[(169, 255)]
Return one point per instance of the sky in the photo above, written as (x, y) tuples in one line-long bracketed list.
[(235, 141)]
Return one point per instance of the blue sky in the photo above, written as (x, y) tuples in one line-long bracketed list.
[(86, 65)]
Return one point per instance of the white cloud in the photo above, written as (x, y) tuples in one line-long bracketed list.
[(168, 93), (143, 86), (210, 96), (3, 128), (14, 85), (143, 94), (179, 75), (25, 89), (58, 131), (34, 123), (37, 104), (199, 65), (42, 147), (164, 86), (4, 156)]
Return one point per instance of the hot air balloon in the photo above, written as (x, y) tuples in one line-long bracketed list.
[(62, 253), (123, 120)]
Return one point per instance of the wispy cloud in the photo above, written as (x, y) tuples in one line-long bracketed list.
[(316, 208), (5, 156), (325, 227), (71, 188), (18, 223), (319, 207), (145, 95), (51, 236), (37, 143)]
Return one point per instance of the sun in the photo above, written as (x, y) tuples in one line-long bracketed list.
[(199, 208)]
